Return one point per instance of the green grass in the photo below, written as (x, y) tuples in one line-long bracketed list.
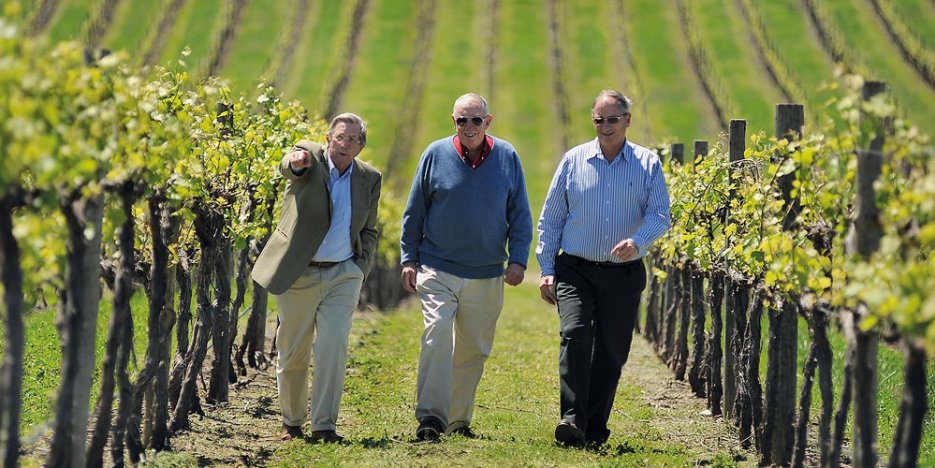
[(674, 99), (256, 42), (525, 113), (866, 39), (381, 72), (733, 58), (70, 16), (787, 26), (889, 390), (624, 70), (517, 404), (317, 57), (919, 16), (195, 27), (42, 359), (588, 66), (132, 21), (456, 66)]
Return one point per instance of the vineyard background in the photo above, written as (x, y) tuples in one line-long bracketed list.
[(691, 66)]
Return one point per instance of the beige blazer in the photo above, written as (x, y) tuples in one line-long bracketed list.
[(306, 217)]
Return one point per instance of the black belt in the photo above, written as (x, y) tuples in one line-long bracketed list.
[(603, 264), (322, 264)]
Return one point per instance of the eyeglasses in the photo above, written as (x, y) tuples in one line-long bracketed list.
[(351, 140), (476, 121), (610, 120)]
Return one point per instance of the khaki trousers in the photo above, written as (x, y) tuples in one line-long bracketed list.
[(460, 318), (315, 314)]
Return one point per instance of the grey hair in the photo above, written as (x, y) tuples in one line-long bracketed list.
[(471, 97), (617, 96), (349, 118)]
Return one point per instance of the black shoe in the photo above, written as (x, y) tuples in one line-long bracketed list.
[(326, 437), (596, 437), (430, 429), (463, 431), (566, 433)]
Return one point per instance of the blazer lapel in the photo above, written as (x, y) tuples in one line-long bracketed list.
[(358, 192), (325, 178)]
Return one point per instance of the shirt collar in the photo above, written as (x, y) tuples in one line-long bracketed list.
[(596, 150), (334, 170), (460, 149)]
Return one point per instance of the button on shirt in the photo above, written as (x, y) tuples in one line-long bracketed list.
[(336, 247), (593, 204)]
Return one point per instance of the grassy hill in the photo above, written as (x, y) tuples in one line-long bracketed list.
[(400, 64)]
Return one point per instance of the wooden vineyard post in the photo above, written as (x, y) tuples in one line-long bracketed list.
[(781, 376), (737, 147)]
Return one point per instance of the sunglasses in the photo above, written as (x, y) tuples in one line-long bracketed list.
[(610, 120), (476, 121)]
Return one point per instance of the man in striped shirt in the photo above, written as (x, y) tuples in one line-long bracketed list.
[(606, 204)]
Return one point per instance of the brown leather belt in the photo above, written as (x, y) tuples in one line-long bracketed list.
[(322, 264)]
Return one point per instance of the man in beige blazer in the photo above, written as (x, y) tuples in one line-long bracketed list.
[(314, 264)]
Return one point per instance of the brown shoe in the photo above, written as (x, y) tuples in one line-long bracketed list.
[(290, 432), (326, 437)]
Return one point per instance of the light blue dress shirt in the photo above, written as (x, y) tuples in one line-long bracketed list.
[(593, 204), (337, 244)]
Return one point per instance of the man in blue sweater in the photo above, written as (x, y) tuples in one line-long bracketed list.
[(467, 214)]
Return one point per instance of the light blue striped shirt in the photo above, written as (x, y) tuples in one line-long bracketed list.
[(594, 204), (336, 247)]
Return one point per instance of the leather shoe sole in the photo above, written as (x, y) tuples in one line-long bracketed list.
[(567, 433)]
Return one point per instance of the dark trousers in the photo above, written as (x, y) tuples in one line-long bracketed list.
[(597, 307)]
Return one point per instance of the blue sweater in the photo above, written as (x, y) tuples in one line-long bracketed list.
[(461, 220)]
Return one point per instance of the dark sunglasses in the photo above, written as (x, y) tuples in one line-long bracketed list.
[(476, 121), (610, 120)]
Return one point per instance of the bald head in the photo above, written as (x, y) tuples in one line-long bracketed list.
[(469, 99)]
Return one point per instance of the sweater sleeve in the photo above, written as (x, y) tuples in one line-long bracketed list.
[(414, 213), (519, 217)]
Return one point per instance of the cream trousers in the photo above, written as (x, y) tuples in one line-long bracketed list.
[(460, 318), (315, 314)]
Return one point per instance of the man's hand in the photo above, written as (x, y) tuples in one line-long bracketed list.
[(300, 159), (409, 276), (625, 250), (514, 274), (547, 289)]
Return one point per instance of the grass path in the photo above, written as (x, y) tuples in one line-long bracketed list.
[(655, 420)]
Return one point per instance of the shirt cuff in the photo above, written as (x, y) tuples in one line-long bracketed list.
[(299, 172), (640, 245)]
